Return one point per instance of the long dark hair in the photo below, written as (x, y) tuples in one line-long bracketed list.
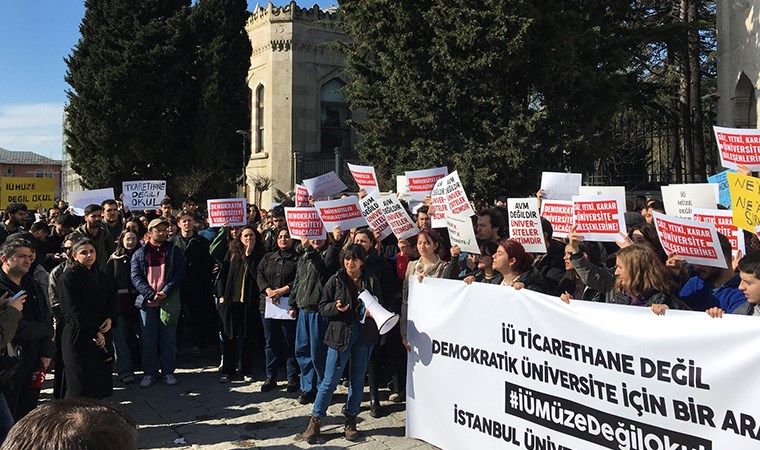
[(120, 249), (236, 248)]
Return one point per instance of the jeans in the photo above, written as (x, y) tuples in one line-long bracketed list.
[(153, 333), (6, 419), (336, 362), (123, 356), (311, 352), (280, 341)]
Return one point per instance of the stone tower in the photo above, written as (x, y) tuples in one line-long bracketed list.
[(298, 109)]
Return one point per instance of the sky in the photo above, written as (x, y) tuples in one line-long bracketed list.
[(35, 37)]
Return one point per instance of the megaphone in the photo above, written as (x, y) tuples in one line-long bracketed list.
[(384, 319)]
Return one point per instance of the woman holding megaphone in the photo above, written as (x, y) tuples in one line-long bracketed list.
[(347, 335)]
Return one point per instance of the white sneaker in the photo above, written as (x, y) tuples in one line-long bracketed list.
[(146, 381), (169, 380)]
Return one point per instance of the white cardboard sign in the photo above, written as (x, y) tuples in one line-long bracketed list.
[(373, 214), (421, 182), (598, 218), (559, 213), (342, 212), (364, 176), (79, 200), (681, 199), (143, 194), (397, 217), (325, 185), (560, 186), (304, 222), (525, 224), (724, 224), (738, 146), (231, 211), (697, 242), (461, 233)]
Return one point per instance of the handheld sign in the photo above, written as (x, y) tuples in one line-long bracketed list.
[(724, 223), (373, 214), (560, 186), (611, 191), (302, 196), (365, 177), (439, 205), (697, 242), (29, 191), (231, 211), (462, 234), (325, 185), (143, 194), (402, 187), (724, 194), (745, 200), (738, 146), (598, 218), (559, 213), (78, 201), (421, 182), (525, 224), (681, 199), (304, 222), (343, 212), (449, 196), (397, 217)]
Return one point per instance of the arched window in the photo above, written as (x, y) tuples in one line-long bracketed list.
[(39, 173), (744, 103), (258, 128), (334, 117)]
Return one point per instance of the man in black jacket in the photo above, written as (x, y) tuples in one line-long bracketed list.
[(35, 329)]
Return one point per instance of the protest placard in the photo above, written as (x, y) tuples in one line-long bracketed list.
[(325, 185), (302, 196), (373, 214), (143, 194), (421, 182), (32, 192), (462, 233), (402, 188), (680, 199), (560, 186), (304, 222), (343, 212), (397, 217), (365, 177), (745, 200), (525, 224), (583, 376), (79, 200), (724, 194), (559, 213), (724, 223), (439, 205), (598, 218), (738, 146), (230, 211), (449, 196), (697, 242), (611, 191)]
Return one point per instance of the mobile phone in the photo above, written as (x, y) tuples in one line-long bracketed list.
[(19, 294)]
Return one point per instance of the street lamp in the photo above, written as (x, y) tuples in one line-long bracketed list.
[(246, 136)]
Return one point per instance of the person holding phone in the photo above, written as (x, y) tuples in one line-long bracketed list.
[(88, 300)]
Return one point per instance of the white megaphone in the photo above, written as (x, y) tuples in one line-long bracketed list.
[(384, 319)]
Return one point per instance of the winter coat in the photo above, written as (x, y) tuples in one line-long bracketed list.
[(277, 269), (338, 287), (311, 276)]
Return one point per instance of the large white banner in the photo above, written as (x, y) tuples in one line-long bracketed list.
[(491, 366)]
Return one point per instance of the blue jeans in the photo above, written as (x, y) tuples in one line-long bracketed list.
[(280, 341), (123, 362), (6, 419), (336, 362), (311, 351), (155, 334)]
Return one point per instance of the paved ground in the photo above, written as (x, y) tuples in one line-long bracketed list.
[(200, 412)]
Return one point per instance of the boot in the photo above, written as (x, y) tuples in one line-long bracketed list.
[(374, 399), (312, 431), (374, 406), (350, 429)]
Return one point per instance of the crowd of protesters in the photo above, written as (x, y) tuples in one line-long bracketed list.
[(117, 292)]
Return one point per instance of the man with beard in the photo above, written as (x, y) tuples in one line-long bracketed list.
[(714, 287), (112, 218), (93, 229), (15, 215)]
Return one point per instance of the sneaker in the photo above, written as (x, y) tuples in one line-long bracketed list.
[(293, 385), (146, 381), (248, 378), (224, 379), (169, 380), (397, 397)]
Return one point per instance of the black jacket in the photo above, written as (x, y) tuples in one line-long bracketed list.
[(311, 276), (338, 288), (276, 269)]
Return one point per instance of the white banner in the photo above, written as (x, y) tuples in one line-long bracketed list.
[(491, 366), (525, 224), (79, 200), (146, 194), (342, 212)]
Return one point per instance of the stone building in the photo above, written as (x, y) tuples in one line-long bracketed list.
[(738, 23), (299, 112)]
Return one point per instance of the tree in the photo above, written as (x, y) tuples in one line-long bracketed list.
[(499, 92), (150, 81)]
